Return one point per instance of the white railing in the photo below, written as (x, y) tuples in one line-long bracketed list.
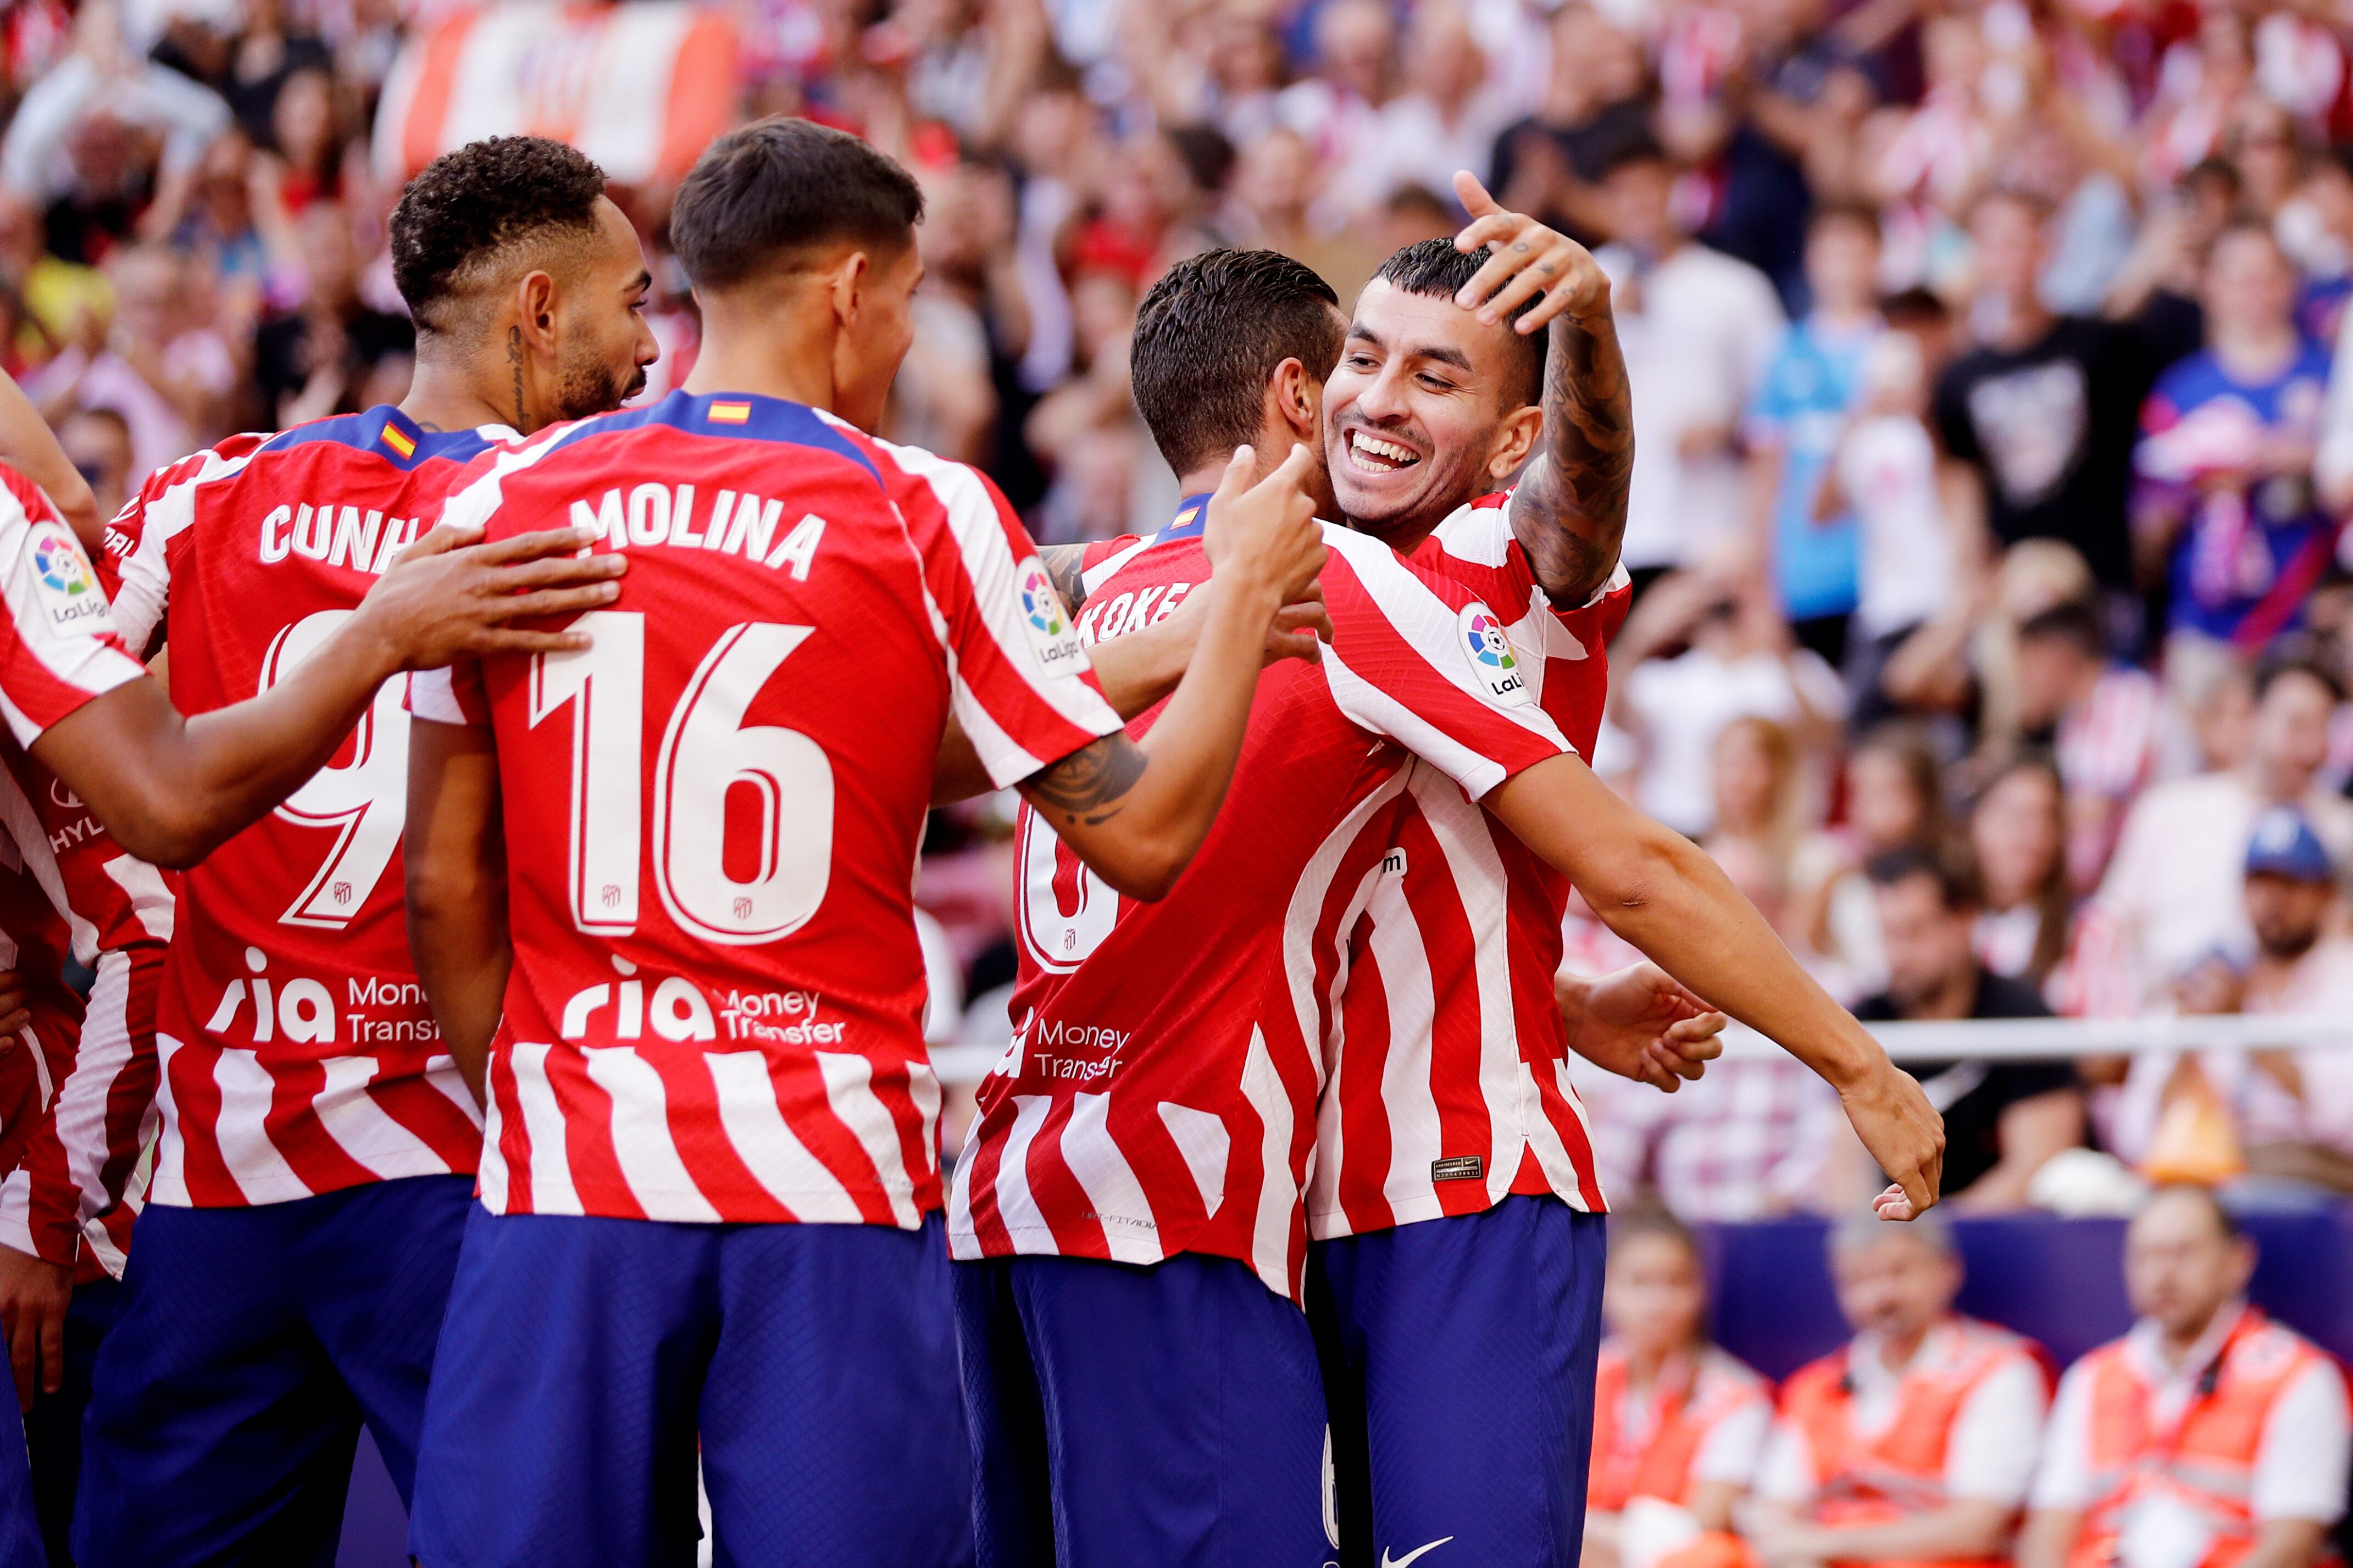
[(2004, 1039)]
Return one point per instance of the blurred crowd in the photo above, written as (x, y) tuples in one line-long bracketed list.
[(1994, 429)]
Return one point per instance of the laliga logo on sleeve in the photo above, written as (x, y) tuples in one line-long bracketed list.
[(68, 591), (1493, 662), (1048, 623)]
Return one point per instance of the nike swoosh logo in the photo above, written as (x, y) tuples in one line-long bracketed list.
[(1415, 1552)]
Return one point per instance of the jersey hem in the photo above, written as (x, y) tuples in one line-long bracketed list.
[(259, 1194), (700, 1214), (1414, 1211)]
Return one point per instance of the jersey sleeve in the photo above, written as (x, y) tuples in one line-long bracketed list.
[(451, 695), (59, 649), (1420, 658), (1478, 547), (1020, 682)]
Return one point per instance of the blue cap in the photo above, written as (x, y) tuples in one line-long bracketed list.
[(2283, 845)]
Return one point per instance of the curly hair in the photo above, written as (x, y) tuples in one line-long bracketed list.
[(484, 200)]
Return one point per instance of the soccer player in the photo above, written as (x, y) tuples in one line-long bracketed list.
[(711, 1175), (318, 1146), (1571, 822)]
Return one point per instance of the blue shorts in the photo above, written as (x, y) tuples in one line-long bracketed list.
[(583, 1356), (53, 1427), (252, 1343), (20, 1527), (1459, 1359), (1124, 1415)]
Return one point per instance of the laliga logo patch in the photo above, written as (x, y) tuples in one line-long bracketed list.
[(70, 593), (1048, 623), (1493, 661)]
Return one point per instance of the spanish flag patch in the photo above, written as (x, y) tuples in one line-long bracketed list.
[(399, 440), (730, 413)]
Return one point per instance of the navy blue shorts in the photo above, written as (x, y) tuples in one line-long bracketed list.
[(20, 1527), (252, 1343), (1458, 1360), (1125, 1415), (583, 1356), (53, 1427)]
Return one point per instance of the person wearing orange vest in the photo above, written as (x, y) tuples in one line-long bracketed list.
[(1914, 1443), (1677, 1422), (2209, 1436)]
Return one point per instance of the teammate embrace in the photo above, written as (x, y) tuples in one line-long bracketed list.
[(1289, 1033)]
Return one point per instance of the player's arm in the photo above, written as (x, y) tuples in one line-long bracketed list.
[(26, 442), (455, 852), (172, 788), (1640, 1023), (1138, 670), (1135, 811), (1569, 510), (1658, 891)]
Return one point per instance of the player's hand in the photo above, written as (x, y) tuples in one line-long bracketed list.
[(1265, 535), (449, 596), (34, 1296), (1529, 259), (1640, 1023), (15, 1001), (1300, 630), (1902, 1133)]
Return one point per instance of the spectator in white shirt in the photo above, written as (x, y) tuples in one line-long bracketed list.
[(2171, 893), (1697, 328), (1446, 118), (2105, 720), (2209, 1434), (47, 154)]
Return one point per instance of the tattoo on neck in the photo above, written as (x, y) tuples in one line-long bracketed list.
[(1090, 784), (514, 363)]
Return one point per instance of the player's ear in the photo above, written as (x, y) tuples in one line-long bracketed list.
[(535, 310), (1294, 405), (851, 275), (1515, 438)]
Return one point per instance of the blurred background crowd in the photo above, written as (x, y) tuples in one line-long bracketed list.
[(1994, 430)]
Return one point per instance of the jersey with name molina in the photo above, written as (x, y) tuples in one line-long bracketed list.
[(298, 1055), (1160, 1094), (710, 816)]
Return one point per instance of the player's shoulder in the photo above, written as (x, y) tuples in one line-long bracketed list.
[(22, 500), (1364, 567)]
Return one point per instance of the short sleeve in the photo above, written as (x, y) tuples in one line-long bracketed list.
[(451, 695), (2062, 1472), (1735, 1445), (1421, 659), (1021, 685), (59, 649), (2301, 1462), (1991, 1456), (1952, 412)]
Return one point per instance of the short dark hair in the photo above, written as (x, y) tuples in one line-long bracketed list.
[(1950, 867), (1914, 307), (2072, 621), (777, 188), (1434, 269), (2296, 656), (487, 197), (1642, 149), (1211, 333)]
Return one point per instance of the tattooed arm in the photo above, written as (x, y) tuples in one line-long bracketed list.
[(1569, 511), (1064, 564), (1136, 810)]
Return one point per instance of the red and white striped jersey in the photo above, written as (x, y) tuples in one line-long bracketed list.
[(298, 1055), (1447, 1083), (710, 816), (58, 648), (1159, 1093)]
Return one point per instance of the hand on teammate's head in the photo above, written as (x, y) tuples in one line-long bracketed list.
[(1528, 259), (449, 596)]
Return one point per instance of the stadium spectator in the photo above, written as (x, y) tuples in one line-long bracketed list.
[(1697, 327), (96, 441), (1678, 1423), (2017, 833), (2171, 893), (1915, 1441), (2104, 719), (2002, 1119), (2209, 1434), (1752, 1139), (2038, 415)]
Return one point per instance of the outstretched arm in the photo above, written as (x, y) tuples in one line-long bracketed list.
[(171, 788), (1136, 812), (1569, 511), (1656, 889)]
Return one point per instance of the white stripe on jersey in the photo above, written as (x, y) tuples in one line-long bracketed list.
[(1018, 1209), (1397, 951), (170, 1185), (1461, 831), (1203, 1141), (641, 1145), (552, 1191), (147, 575), (432, 697), (349, 1114), (1095, 576), (490, 1173), (242, 1133), (24, 826), (86, 661), (849, 1093), (764, 1141), (1102, 1174), (1271, 1233)]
